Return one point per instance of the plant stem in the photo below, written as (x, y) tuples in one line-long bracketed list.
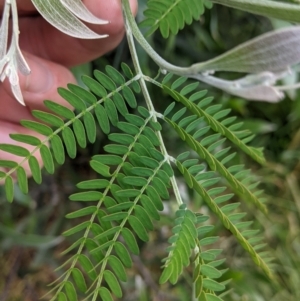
[(131, 27), (134, 30)]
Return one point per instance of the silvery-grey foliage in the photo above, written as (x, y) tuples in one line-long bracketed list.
[(11, 60), (63, 14)]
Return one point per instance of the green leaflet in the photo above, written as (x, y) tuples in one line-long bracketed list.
[(72, 98), (105, 80), (130, 241), (70, 291), (102, 118), (9, 188), (79, 131), (47, 159), (170, 16), (70, 142), (59, 109), (115, 75), (83, 94), (117, 267), (58, 149), (113, 283), (95, 87), (182, 243), (90, 125), (105, 294), (35, 169), (79, 280), (216, 125), (48, 118), (123, 254), (87, 266), (22, 179), (215, 164), (82, 212), (15, 150), (230, 225), (25, 139)]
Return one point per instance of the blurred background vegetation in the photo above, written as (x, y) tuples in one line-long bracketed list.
[(30, 228)]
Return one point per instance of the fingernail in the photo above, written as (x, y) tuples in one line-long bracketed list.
[(40, 79)]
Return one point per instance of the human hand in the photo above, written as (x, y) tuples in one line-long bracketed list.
[(49, 53)]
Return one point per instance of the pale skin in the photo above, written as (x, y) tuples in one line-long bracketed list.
[(49, 54)]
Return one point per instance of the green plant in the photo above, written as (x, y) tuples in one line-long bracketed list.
[(136, 173)]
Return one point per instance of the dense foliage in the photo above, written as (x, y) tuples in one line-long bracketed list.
[(176, 180)]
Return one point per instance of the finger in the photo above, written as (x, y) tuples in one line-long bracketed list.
[(9, 128), (41, 84), (42, 39)]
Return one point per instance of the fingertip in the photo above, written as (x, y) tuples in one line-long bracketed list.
[(110, 11)]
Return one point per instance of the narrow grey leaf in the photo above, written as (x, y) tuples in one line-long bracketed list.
[(79, 10), (61, 18), (274, 51)]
